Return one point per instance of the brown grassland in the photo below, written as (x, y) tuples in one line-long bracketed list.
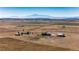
[(35, 42)]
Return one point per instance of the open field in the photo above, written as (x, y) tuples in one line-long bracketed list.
[(36, 42), (19, 45)]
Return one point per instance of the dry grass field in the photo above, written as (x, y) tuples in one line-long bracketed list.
[(10, 44), (36, 42)]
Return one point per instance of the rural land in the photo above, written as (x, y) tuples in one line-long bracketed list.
[(38, 35)]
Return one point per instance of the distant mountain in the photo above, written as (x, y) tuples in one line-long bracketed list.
[(72, 18), (39, 16)]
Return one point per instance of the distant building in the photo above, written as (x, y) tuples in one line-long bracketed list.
[(60, 35)]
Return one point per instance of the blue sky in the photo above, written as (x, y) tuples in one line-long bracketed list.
[(51, 11)]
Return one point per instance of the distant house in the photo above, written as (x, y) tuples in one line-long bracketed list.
[(46, 34), (25, 33), (22, 33), (18, 34), (60, 35)]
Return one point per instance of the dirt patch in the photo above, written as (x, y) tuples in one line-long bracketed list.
[(10, 44)]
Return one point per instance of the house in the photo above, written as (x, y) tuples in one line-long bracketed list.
[(18, 34), (60, 35), (25, 33), (46, 34)]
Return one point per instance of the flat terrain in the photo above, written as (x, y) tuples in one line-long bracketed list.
[(19, 45), (36, 42)]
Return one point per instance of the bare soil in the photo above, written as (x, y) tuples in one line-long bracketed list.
[(10, 42)]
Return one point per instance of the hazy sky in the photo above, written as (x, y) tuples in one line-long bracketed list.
[(51, 11)]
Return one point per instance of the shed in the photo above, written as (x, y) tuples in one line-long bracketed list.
[(60, 35)]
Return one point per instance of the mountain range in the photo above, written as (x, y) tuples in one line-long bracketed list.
[(37, 16), (52, 17)]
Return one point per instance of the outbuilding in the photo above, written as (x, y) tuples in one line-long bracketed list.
[(18, 34), (60, 35), (46, 34)]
